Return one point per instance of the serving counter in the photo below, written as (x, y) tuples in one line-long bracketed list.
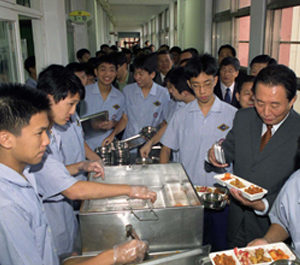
[(174, 222)]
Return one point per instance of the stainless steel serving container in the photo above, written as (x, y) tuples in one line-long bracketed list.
[(173, 222), (185, 257)]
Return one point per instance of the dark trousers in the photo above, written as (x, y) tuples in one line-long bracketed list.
[(215, 229)]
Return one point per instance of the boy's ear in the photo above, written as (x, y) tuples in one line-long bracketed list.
[(6, 139), (52, 102), (95, 72), (152, 75)]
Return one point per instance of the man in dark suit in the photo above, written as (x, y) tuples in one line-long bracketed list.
[(227, 87), (265, 164), (165, 63), (227, 50)]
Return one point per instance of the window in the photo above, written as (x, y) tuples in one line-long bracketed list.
[(244, 3), (222, 5), (284, 35), (153, 31), (167, 26), (243, 37), (8, 67), (175, 24), (232, 26), (24, 3)]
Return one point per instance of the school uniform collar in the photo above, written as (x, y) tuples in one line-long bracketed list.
[(216, 107), (10, 175), (96, 91), (153, 90)]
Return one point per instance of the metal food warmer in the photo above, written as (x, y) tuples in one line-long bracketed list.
[(174, 222)]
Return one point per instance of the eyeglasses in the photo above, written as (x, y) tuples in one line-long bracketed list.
[(205, 86), (225, 70)]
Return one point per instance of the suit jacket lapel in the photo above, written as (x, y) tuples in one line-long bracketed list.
[(256, 127), (278, 139)]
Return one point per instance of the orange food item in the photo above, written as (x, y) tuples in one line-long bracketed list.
[(203, 189), (217, 190), (253, 189), (227, 176), (224, 260), (278, 254), (237, 183)]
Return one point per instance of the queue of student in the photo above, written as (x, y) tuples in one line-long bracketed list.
[(197, 107)]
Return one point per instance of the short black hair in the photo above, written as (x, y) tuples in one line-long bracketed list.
[(231, 61), (93, 61), (100, 52), (164, 47), (275, 75), (177, 78), (146, 62), (201, 64), (113, 48), (248, 78), (59, 82), (81, 52), (165, 52), (263, 58), (29, 63), (137, 51), (192, 51), (176, 49), (104, 46), (76, 67), (126, 51), (89, 68), (18, 103), (227, 46), (109, 58), (120, 58), (147, 41)]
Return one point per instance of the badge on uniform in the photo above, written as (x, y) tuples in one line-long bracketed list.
[(116, 106), (78, 123), (155, 114), (113, 117), (223, 127), (157, 103)]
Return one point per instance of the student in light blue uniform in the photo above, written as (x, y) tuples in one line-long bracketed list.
[(193, 129), (103, 96), (25, 233), (285, 216), (181, 95), (146, 101), (74, 148)]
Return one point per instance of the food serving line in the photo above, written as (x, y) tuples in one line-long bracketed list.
[(172, 225)]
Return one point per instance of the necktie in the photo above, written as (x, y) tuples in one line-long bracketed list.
[(227, 96), (266, 137)]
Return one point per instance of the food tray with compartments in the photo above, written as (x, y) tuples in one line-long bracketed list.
[(249, 190), (263, 255)]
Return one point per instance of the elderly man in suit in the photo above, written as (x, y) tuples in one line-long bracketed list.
[(265, 163)]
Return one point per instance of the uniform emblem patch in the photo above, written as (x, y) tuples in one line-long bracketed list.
[(157, 103), (113, 117), (116, 106), (223, 127), (155, 114)]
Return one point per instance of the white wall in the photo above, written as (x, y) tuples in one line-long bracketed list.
[(55, 32), (195, 24)]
